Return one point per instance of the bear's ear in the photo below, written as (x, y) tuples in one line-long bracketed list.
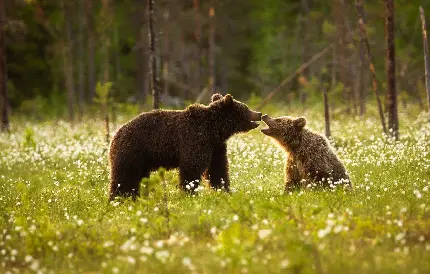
[(216, 97), (228, 99), (300, 122)]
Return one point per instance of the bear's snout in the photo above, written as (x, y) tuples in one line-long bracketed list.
[(255, 116), (266, 118)]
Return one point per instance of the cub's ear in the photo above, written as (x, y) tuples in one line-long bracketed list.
[(216, 97), (228, 99), (300, 122)]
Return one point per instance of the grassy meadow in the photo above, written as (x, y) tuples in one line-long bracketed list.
[(55, 217)]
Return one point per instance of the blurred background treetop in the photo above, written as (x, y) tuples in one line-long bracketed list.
[(57, 51)]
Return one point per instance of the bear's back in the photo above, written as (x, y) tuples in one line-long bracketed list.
[(317, 149), (152, 134)]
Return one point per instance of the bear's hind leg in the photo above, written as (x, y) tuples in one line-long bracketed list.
[(126, 183), (191, 169), (189, 179)]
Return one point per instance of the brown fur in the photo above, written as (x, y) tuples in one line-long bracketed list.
[(193, 140), (310, 157)]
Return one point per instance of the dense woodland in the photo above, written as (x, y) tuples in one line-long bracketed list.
[(62, 57)]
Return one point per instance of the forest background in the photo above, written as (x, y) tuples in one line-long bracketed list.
[(58, 51)]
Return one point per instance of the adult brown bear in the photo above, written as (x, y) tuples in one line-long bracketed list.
[(193, 140)]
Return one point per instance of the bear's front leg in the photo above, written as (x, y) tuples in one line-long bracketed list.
[(218, 169), (292, 175), (191, 170), (189, 178)]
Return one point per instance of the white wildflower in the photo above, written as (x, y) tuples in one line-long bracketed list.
[(162, 255), (418, 194), (131, 260), (399, 236), (35, 265), (146, 250), (159, 244), (186, 261), (323, 232), (28, 258), (108, 244), (262, 234), (284, 263)]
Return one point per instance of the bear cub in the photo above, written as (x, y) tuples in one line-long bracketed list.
[(311, 161), (193, 140)]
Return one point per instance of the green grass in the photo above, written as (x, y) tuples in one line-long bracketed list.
[(55, 216)]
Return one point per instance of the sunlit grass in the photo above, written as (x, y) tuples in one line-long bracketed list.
[(55, 216)]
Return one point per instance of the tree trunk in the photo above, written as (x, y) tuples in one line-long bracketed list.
[(141, 54), (183, 75), (358, 85), (197, 37), (68, 63), (326, 111), (426, 58), (359, 5), (152, 62), (393, 120), (224, 72), (81, 54), (333, 82), (351, 96), (106, 26), (4, 101), (333, 70), (166, 55), (118, 72), (360, 79), (341, 54), (211, 53), (305, 46), (91, 50)]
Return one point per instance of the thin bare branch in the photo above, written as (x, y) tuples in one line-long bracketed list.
[(304, 66), (426, 57)]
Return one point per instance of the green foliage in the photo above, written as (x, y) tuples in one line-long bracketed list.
[(328, 28), (42, 108), (28, 140), (55, 215), (236, 242), (102, 93)]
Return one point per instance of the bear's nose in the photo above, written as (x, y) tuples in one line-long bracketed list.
[(254, 116), (265, 118)]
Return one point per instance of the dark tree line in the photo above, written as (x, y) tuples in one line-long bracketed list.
[(182, 51), (3, 74)]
